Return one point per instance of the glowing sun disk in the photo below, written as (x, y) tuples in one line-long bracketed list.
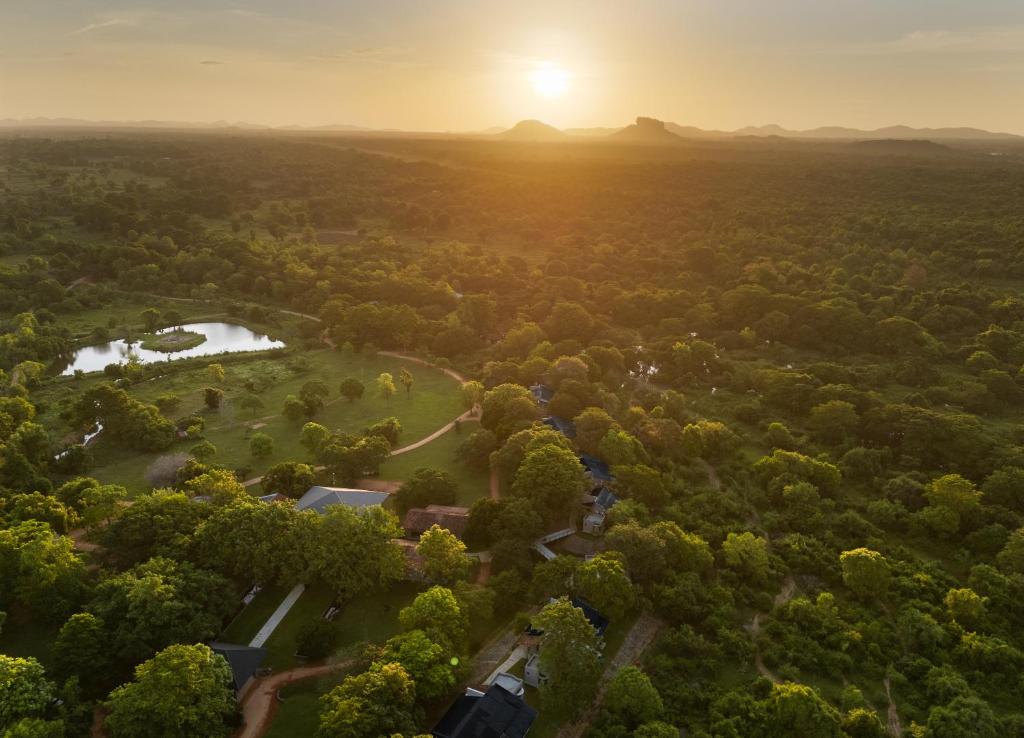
[(549, 80)]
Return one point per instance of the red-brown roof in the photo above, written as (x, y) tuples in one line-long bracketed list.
[(420, 519)]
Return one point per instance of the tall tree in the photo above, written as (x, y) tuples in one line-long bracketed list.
[(443, 554), (570, 654), (406, 378), (378, 702), (386, 386), (182, 692)]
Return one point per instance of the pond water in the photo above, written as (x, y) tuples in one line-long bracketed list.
[(221, 338)]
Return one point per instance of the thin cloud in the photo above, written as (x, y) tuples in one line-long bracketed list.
[(212, 61), (386, 55), (110, 23), (1006, 40)]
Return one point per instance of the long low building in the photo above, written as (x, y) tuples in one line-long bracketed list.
[(320, 498), (420, 519)]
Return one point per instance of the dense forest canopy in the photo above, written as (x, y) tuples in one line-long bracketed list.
[(802, 363)]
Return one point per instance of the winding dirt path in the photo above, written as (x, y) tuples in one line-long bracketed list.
[(495, 485), (784, 595), (417, 360), (259, 703), (713, 479)]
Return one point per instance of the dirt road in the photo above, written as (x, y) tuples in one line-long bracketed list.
[(260, 700)]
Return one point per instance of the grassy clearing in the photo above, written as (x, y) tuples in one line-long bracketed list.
[(281, 645), (440, 454), (370, 619), (299, 711), (374, 619), (252, 617), (122, 314), (434, 401)]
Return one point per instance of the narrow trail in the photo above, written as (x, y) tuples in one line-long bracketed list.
[(259, 703), (80, 544), (495, 485), (640, 636), (893, 723), (417, 360), (785, 594), (713, 479)]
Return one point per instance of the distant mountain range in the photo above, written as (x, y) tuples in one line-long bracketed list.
[(644, 130), (653, 131)]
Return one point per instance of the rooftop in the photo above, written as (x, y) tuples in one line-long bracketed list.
[(596, 468), (420, 519), (566, 427), (497, 714), (243, 660), (320, 498)]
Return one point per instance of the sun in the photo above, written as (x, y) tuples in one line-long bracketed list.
[(549, 80)]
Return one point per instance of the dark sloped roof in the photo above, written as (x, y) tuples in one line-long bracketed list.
[(566, 427), (243, 660), (606, 498), (498, 714), (597, 468), (593, 615)]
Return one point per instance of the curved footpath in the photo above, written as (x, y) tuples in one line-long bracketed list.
[(259, 702)]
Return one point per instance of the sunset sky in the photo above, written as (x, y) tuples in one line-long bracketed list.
[(457, 65)]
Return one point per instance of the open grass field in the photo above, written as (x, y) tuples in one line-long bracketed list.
[(252, 617), (369, 619), (281, 644), (434, 401), (440, 454), (298, 714)]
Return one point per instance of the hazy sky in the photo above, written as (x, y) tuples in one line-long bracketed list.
[(472, 64)]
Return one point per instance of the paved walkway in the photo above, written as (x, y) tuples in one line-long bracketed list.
[(264, 633), (518, 654), (259, 703), (493, 654)]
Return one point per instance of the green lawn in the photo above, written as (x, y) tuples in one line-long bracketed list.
[(298, 713), (369, 619), (246, 624), (374, 618), (434, 401), (281, 645), (440, 454)]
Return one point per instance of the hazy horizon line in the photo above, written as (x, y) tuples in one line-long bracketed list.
[(71, 121)]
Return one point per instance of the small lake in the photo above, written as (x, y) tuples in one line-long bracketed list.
[(221, 338)]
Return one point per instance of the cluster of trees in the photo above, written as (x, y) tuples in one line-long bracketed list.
[(806, 391)]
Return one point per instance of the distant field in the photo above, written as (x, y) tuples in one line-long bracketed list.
[(434, 401)]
